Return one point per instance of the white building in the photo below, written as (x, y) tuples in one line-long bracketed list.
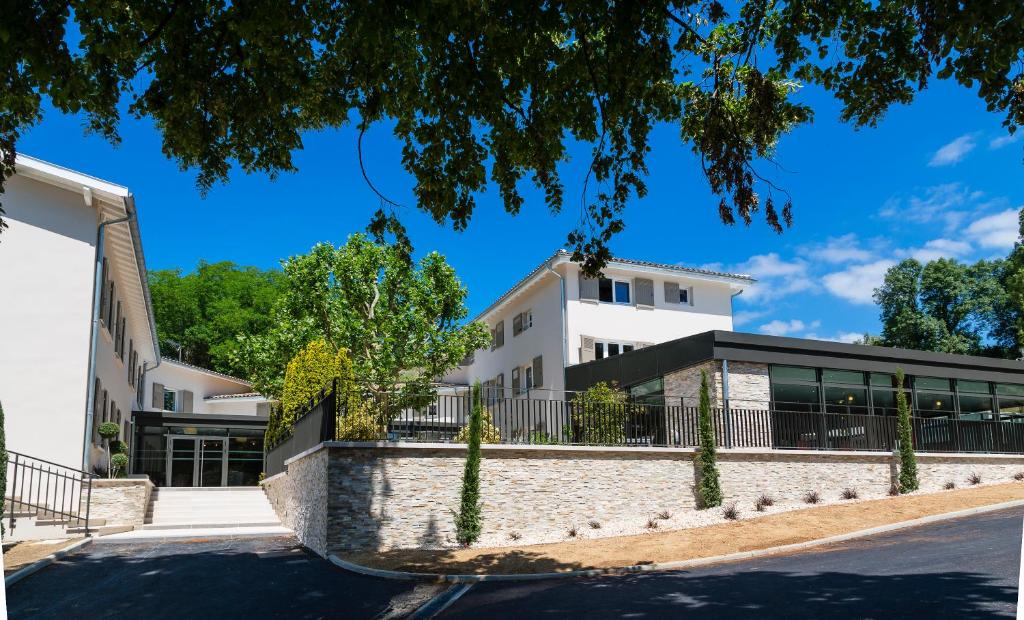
[(79, 343), (554, 318)]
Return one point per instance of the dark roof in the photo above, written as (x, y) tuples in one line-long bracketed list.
[(660, 359), (624, 261), (227, 396)]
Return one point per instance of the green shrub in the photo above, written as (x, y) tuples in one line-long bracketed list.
[(908, 462), (708, 490), (118, 447), (468, 521), (599, 415), (489, 433), (118, 465), (360, 423), (108, 430)]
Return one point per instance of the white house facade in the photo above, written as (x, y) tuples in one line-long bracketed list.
[(555, 318)]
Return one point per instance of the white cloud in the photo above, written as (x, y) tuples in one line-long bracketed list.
[(857, 284), (954, 151), (781, 328), (995, 231), (1001, 141), (847, 337), (776, 277), (939, 248), (844, 249), (948, 203), (746, 316)]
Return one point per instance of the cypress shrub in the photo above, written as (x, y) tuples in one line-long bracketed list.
[(468, 520), (908, 463), (709, 490)]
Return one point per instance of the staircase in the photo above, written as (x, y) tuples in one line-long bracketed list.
[(209, 507)]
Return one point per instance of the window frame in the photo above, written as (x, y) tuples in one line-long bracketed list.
[(605, 344), (174, 394), (628, 282)]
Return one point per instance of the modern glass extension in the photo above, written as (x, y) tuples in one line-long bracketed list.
[(796, 388), (199, 455)]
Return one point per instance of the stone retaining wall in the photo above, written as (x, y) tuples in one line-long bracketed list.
[(387, 496), (120, 501)]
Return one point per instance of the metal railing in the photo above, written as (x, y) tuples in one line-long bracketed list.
[(52, 492), (784, 426)]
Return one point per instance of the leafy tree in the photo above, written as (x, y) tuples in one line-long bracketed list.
[(908, 463), (398, 321), (600, 413), (947, 306), (492, 93), (468, 521), (708, 489), (202, 313), (1011, 330)]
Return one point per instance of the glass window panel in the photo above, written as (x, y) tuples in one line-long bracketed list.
[(648, 388), (882, 380), (795, 397), (169, 398), (599, 350), (1011, 404), (842, 376), (842, 399), (613, 348), (975, 387), (931, 383), (794, 373), (626, 348), (604, 290), (975, 407), (884, 401), (934, 401), (622, 292), (1010, 389)]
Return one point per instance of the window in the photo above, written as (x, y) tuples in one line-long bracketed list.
[(522, 322), (498, 335), (516, 384), (613, 291), (529, 377), (606, 348), (684, 296), (170, 400)]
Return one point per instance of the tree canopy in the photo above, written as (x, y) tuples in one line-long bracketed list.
[(491, 94), (201, 314), (400, 322)]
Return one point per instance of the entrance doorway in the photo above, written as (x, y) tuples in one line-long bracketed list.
[(196, 461)]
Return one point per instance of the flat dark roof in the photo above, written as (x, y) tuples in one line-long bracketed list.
[(660, 359), (155, 417)]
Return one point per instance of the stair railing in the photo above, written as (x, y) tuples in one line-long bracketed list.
[(51, 491)]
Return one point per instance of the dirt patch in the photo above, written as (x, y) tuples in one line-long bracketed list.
[(763, 532), (21, 554)]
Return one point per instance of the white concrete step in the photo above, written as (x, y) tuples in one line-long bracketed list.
[(195, 532), (209, 507)]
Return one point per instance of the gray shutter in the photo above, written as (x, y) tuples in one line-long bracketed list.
[(499, 334), (672, 292), (689, 295), (494, 339), (263, 409), (538, 371), (103, 290), (587, 349), (517, 324), (158, 395), (515, 382), (644, 291), (499, 382), (588, 288), (186, 402)]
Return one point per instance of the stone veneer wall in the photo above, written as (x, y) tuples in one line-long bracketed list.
[(299, 497), (120, 501), (387, 496), (749, 390)]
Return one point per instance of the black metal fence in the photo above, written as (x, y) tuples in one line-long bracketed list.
[(443, 418), (53, 493), (314, 425)]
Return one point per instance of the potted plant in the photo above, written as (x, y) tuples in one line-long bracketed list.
[(108, 431)]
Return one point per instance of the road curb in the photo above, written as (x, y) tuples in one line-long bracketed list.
[(675, 565), (42, 563)]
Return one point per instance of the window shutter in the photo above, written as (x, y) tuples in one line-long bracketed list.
[(515, 381), (103, 291), (588, 288), (263, 409), (158, 396), (689, 295), (494, 339), (517, 324), (186, 402), (499, 334), (538, 371), (586, 349), (499, 383), (672, 292), (644, 291)]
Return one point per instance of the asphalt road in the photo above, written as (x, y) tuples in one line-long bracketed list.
[(225, 578), (967, 568), (958, 569)]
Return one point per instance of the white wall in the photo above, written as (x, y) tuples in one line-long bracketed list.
[(46, 288), (544, 339), (233, 406), (175, 376), (711, 309)]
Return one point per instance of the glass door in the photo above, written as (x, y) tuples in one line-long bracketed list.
[(211, 463), (181, 467)]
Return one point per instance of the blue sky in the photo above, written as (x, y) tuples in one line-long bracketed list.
[(937, 178)]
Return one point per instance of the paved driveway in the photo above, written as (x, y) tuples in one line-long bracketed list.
[(958, 569), (226, 578)]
